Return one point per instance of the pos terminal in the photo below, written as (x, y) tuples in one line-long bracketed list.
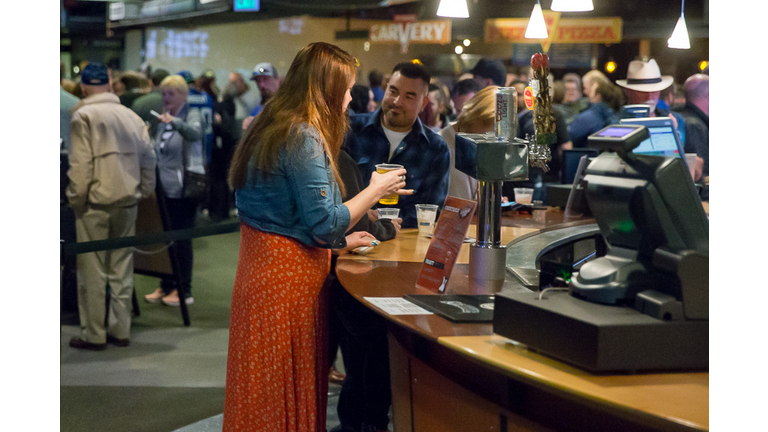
[(643, 304), (619, 138), (645, 206)]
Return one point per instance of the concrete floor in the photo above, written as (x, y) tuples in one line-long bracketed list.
[(171, 377), (158, 362)]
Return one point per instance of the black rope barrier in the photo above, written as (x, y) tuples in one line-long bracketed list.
[(68, 249), (148, 239)]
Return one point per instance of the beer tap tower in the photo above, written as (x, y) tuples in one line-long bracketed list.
[(501, 156)]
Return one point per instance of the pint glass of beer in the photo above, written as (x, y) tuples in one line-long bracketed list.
[(384, 168)]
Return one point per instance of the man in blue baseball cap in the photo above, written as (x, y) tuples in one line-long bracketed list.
[(188, 77), (112, 166)]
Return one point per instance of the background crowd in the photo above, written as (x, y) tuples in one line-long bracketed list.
[(584, 104)]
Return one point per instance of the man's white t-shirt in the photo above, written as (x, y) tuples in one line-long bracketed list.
[(395, 138)]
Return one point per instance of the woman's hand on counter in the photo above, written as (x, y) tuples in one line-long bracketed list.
[(357, 239)]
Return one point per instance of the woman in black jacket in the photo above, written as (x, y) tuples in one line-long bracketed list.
[(362, 335)]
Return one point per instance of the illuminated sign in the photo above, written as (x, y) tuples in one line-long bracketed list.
[(425, 32), (247, 5), (405, 32), (567, 31), (177, 44), (293, 26)]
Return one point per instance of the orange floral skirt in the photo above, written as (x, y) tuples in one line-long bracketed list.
[(277, 371)]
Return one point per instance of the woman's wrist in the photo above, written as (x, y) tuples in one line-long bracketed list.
[(374, 197)]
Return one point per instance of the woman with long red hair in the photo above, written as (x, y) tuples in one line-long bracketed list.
[(287, 190)]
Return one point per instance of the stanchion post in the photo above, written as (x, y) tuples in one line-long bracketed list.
[(176, 266), (99, 245), (135, 302), (183, 306)]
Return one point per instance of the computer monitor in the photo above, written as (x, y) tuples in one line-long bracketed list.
[(664, 140)]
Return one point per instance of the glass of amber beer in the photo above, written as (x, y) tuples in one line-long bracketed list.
[(384, 168)]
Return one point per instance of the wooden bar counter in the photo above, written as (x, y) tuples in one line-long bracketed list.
[(461, 377)]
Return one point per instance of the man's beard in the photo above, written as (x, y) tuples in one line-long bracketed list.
[(652, 103), (399, 120)]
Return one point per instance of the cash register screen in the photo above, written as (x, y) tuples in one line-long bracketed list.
[(661, 143), (663, 140)]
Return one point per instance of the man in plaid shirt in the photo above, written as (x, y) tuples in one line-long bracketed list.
[(394, 134)]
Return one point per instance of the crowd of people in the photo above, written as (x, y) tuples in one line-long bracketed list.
[(300, 160)]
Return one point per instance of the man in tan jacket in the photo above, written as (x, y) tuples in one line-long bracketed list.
[(112, 166)]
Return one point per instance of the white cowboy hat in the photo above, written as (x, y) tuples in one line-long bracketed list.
[(645, 77)]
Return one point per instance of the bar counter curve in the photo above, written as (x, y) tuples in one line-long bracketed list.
[(461, 377)]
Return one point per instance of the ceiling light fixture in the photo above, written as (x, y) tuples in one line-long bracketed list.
[(572, 5), (453, 9), (679, 39), (537, 27)]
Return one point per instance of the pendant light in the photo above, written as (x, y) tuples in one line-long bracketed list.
[(453, 9), (679, 38), (572, 5), (537, 28)]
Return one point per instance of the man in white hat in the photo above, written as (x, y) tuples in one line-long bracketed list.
[(643, 85)]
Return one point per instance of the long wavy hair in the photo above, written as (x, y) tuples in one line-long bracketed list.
[(312, 92)]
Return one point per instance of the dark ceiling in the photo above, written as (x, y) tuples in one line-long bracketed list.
[(639, 16)]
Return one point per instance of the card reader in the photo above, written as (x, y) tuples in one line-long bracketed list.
[(619, 138)]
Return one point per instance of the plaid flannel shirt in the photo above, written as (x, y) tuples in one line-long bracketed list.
[(423, 153)]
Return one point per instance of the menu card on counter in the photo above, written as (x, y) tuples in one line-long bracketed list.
[(397, 306), (446, 242)]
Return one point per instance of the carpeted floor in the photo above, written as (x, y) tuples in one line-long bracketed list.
[(171, 377)]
